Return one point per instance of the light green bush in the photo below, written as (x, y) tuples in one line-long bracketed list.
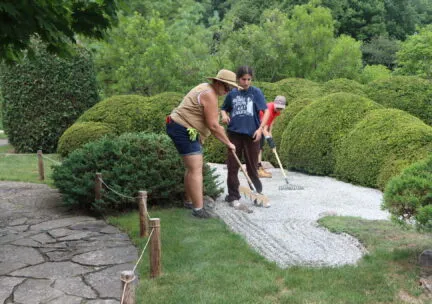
[(309, 140), (343, 85), (380, 146), (409, 93)]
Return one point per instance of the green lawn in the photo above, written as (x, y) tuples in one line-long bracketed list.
[(204, 262)]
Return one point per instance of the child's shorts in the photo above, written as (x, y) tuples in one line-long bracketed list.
[(180, 137)]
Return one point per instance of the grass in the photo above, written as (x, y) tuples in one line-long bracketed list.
[(204, 262), (24, 167)]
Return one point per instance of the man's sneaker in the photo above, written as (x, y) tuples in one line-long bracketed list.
[(234, 203), (187, 205), (202, 213), (208, 203), (263, 173)]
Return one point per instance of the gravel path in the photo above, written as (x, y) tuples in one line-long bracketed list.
[(287, 232)]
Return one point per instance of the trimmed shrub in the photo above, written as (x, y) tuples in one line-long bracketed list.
[(81, 133), (122, 113), (214, 150), (44, 96), (409, 93), (343, 85), (128, 163), (380, 146), (270, 90), (297, 88), (408, 196), (309, 141), (280, 124)]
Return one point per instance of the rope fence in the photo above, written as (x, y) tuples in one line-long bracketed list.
[(149, 228)]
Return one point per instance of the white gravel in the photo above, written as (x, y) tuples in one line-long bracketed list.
[(287, 232)]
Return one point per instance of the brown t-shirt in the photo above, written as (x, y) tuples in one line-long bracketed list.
[(190, 113)]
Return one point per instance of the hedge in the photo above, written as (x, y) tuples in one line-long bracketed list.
[(309, 141), (380, 146), (43, 96), (408, 196), (129, 163), (409, 93), (343, 85)]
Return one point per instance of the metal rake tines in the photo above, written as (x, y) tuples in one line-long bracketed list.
[(291, 187)]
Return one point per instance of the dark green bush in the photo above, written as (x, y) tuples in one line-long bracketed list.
[(122, 113), (380, 146), (270, 90), (343, 85), (309, 141), (215, 151), (129, 163), (81, 133), (409, 93), (44, 96), (408, 196)]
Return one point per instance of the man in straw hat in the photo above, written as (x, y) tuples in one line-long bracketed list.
[(274, 109), (190, 124)]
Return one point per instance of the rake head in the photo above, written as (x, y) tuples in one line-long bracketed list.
[(257, 198), (289, 186)]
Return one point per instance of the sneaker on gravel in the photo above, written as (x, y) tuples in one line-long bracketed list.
[(202, 213), (234, 203), (262, 173)]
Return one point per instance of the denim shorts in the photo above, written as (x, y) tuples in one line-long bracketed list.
[(180, 137)]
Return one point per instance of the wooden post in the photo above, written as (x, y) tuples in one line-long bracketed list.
[(98, 186), (143, 214), (41, 165), (128, 293), (155, 249)]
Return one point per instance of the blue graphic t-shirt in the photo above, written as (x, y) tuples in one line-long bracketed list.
[(244, 107)]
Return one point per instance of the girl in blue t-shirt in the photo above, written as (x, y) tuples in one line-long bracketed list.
[(240, 111)]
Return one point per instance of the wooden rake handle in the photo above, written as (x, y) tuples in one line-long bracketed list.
[(279, 162), (244, 172)]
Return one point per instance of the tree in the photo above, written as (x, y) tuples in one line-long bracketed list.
[(343, 61), (400, 18), (374, 72), (381, 50), (55, 22), (415, 55)]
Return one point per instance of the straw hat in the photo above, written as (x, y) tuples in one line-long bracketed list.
[(227, 77)]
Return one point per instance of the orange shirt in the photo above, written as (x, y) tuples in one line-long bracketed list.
[(273, 113)]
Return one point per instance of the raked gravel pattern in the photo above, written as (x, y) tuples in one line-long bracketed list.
[(288, 233)]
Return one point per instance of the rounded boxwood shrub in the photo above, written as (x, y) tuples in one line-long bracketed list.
[(43, 96), (296, 88), (81, 133), (270, 90), (128, 163), (122, 113), (280, 123), (214, 150), (381, 146), (408, 196), (409, 93), (343, 85), (311, 137)]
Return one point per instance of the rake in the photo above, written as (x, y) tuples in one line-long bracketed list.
[(288, 186), (258, 198)]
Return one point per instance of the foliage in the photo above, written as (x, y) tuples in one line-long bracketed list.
[(415, 55), (44, 96), (214, 150), (400, 18), (54, 22), (343, 61), (381, 50), (81, 133), (409, 196), (343, 85), (408, 93), (129, 163), (312, 136), (380, 146), (298, 88), (374, 72), (120, 114)]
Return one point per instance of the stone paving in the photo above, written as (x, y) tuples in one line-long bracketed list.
[(51, 255)]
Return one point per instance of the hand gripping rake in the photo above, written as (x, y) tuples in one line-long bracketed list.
[(288, 186), (258, 198)]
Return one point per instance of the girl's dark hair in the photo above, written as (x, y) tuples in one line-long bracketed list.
[(243, 70)]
